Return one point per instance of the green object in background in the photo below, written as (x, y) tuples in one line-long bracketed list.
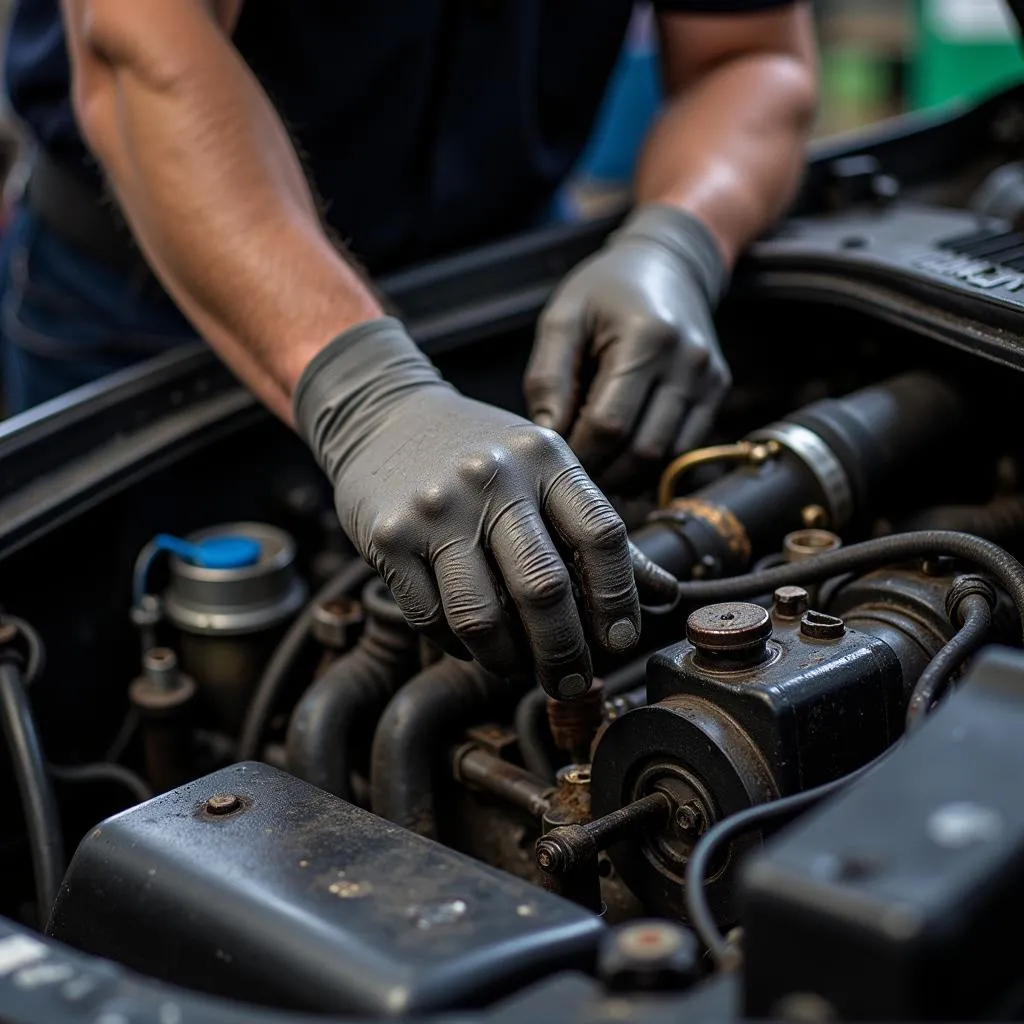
[(966, 48)]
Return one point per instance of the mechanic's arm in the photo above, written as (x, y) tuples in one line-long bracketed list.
[(209, 181), (457, 504), (719, 166), (729, 148)]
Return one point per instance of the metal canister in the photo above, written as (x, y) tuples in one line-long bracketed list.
[(231, 619)]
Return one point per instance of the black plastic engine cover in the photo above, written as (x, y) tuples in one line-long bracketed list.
[(301, 900), (900, 899)]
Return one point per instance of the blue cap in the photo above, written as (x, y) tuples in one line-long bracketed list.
[(214, 552)]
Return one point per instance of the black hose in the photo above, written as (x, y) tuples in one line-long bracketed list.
[(756, 817), (342, 707), (276, 674), (103, 771), (531, 718), (870, 554), (1000, 521), (976, 612), (425, 717), (38, 802)]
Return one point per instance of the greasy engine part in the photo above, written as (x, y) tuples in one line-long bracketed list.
[(331, 726), (898, 900), (836, 455), (230, 619), (163, 697), (254, 885), (419, 725), (755, 705)]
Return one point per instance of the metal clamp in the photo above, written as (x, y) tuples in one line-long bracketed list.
[(816, 455)]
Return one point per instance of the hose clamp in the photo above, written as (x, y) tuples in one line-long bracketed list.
[(816, 455)]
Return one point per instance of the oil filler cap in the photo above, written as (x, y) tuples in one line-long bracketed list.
[(728, 628)]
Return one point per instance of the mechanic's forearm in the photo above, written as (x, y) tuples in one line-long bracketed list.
[(214, 192), (730, 150)]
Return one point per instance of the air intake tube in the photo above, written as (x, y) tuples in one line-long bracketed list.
[(833, 460)]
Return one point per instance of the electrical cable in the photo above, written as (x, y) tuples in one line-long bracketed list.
[(39, 804), (975, 612), (756, 817), (870, 554), (102, 771), (278, 671)]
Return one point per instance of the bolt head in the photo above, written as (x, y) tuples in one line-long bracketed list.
[(223, 803), (732, 626), (645, 955)]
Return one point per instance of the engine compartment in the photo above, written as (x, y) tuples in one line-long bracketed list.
[(316, 810)]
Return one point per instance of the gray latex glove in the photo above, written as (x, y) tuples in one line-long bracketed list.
[(640, 313), (464, 508)]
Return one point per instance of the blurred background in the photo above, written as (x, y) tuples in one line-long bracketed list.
[(879, 58)]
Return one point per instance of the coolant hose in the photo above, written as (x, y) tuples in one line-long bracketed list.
[(870, 554), (279, 669), (423, 720), (342, 707), (38, 802)]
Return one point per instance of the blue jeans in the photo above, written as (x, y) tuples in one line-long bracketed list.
[(66, 320)]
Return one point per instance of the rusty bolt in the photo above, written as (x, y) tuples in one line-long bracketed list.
[(223, 803), (790, 602)]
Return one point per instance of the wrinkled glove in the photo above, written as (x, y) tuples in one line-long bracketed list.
[(641, 310), (461, 507)]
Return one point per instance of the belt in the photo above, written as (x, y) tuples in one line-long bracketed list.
[(77, 211)]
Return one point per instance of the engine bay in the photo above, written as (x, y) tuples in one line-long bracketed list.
[(795, 798)]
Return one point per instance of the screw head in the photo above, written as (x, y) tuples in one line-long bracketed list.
[(223, 803)]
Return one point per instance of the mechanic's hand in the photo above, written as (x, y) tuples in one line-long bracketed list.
[(459, 506), (641, 310)]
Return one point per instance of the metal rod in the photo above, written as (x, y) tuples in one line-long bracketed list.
[(476, 766)]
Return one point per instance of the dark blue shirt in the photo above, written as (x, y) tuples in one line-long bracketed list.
[(426, 125)]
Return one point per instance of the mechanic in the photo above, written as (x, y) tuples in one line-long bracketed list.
[(426, 127)]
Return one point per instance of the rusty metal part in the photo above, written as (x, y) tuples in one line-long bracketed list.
[(223, 803), (721, 520), (801, 544), (495, 739), (574, 724), (163, 697), (570, 800), (819, 626), (568, 854), (751, 452), (729, 636), (790, 602), (475, 766), (336, 622)]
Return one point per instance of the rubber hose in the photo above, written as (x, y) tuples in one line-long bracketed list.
[(425, 717), (531, 718), (276, 674), (1000, 521), (933, 682), (870, 554), (344, 704), (102, 771), (38, 802)]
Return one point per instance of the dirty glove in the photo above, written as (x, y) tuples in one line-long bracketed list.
[(463, 509), (640, 309)]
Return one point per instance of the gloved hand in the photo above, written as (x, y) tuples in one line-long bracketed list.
[(462, 507), (641, 310)]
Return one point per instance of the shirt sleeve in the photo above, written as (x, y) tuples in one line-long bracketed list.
[(720, 6)]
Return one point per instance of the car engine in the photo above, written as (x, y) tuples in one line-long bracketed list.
[(796, 798)]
